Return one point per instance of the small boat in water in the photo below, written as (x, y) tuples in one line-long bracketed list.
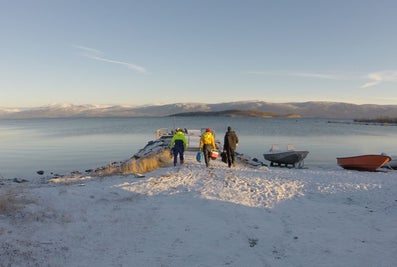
[(286, 157), (363, 162), (192, 137)]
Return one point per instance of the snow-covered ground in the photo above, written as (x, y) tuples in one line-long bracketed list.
[(191, 215)]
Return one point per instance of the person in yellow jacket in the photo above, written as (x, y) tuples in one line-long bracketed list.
[(178, 145), (207, 143)]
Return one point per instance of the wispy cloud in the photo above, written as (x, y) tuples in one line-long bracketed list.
[(88, 50), (98, 55), (128, 65), (317, 75), (328, 76), (376, 78)]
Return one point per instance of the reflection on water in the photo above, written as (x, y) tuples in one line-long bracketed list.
[(64, 145)]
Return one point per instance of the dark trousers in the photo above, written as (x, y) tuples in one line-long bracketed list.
[(230, 156), (207, 153), (178, 151)]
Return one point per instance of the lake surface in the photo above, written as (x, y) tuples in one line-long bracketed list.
[(76, 144)]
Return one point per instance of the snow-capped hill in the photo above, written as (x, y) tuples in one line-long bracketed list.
[(303, 109), (9, 110), (193, 106)]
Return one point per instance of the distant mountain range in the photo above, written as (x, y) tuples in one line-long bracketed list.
[(236, 113), (337, 110)]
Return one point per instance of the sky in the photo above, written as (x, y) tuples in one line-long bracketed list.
[(120, 52)]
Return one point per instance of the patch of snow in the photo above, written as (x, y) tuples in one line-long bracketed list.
[(190, 215)]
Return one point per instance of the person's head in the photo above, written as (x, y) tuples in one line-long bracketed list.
[(229, 128), (208, 130), (178, 130)]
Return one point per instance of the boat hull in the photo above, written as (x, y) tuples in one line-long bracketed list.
[(392, 164), (286, 157), (363, 162)]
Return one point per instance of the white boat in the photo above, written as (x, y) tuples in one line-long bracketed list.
[(286, 157), (192, 137)]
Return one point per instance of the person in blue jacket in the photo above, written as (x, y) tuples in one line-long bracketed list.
[(178, 145)]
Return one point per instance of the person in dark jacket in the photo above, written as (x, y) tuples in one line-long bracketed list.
[(178, 145), (229, 146)]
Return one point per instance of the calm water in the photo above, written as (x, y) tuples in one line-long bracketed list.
[(65, 145)]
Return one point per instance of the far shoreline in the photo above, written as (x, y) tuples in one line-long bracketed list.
[(375, 122)]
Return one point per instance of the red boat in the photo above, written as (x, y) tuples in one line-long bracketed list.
[(363, 162)]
